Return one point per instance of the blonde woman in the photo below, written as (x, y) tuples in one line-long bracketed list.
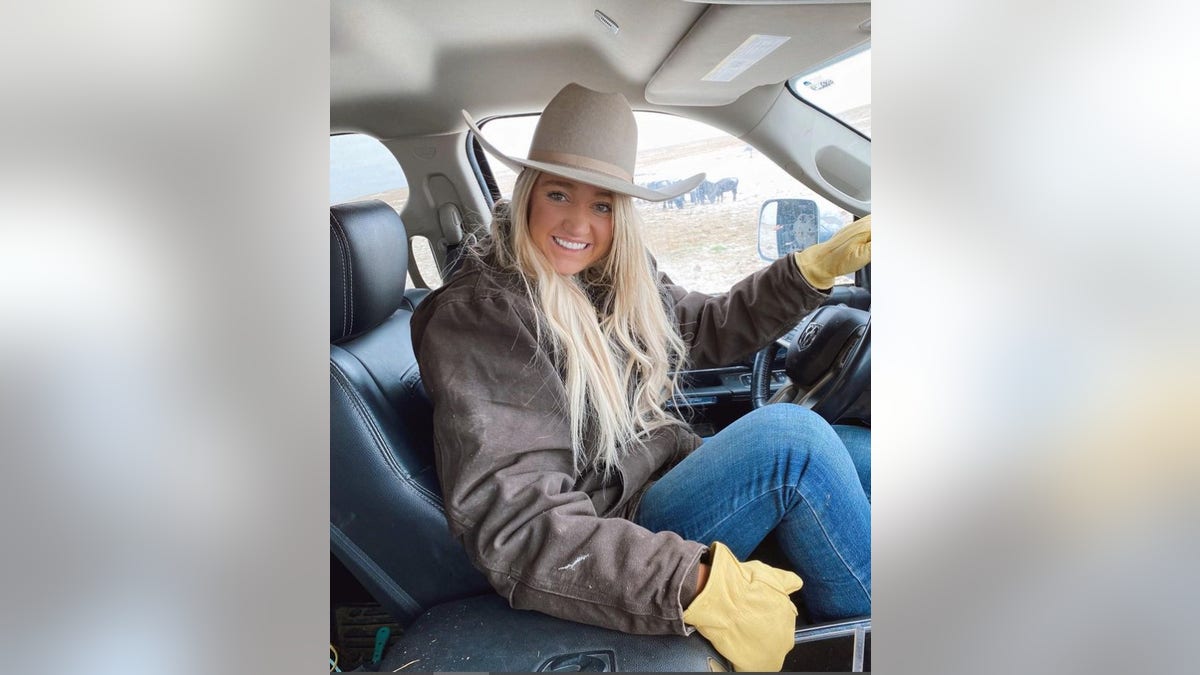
[(549, 357)]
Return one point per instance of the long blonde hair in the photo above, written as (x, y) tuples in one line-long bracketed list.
[(607, 330)]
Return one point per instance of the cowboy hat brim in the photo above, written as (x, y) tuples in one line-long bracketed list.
[(589, 176)]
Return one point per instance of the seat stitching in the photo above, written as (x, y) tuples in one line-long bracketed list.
[(339, 377), (346, 283), (349, 268), (342, 251), (380, 442)]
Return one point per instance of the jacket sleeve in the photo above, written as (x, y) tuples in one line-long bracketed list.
[(723, 329), (505, 464)]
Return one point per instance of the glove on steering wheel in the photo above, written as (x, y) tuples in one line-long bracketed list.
[(846, 252)]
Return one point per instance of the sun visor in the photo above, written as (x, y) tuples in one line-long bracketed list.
[(732, 49)]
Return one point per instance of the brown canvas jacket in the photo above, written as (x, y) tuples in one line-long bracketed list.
[(547, 538)]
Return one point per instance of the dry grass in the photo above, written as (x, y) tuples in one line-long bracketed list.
[(709, 247)]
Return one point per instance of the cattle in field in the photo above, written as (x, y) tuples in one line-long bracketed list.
[(677, 202), (704, 192), (725, 185)]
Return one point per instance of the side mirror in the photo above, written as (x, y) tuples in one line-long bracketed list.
[(786, 226)]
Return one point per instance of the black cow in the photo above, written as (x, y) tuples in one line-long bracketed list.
[(677, 202), (725, 185), (704, 192)]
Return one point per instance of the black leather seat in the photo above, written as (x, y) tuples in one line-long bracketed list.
[(386, 521)]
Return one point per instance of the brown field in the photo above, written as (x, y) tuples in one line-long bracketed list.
[(702, 247)]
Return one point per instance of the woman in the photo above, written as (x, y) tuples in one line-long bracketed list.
[(548, 358)]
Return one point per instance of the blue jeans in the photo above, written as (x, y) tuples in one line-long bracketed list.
[(780, 469)]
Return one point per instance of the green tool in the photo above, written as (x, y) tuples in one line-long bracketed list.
[(381, 638)]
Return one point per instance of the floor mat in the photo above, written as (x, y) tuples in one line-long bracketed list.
[(355, 626)]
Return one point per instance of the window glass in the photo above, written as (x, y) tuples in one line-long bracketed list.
[(360, 167), (841, 88), (709, 239)]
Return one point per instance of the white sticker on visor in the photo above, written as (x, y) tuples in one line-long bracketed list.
[(754, 49)]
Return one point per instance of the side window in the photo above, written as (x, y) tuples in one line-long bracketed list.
[(708, 239), (360, 168), (841, 88)]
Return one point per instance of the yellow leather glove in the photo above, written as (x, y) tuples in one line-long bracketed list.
[(846, 252), (745, 612)]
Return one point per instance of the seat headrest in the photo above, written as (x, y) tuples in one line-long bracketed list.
[(368, 261)]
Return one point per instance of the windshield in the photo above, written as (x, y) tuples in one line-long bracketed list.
[(713, 236), (841, 88)]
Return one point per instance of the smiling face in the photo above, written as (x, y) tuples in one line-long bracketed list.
[(570, 223)]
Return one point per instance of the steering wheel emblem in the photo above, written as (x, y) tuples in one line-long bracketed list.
[(808, 337)]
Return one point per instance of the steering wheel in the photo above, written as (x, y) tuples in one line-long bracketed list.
[(828, 364)]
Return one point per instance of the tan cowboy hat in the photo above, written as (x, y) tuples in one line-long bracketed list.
[(590, 137)]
